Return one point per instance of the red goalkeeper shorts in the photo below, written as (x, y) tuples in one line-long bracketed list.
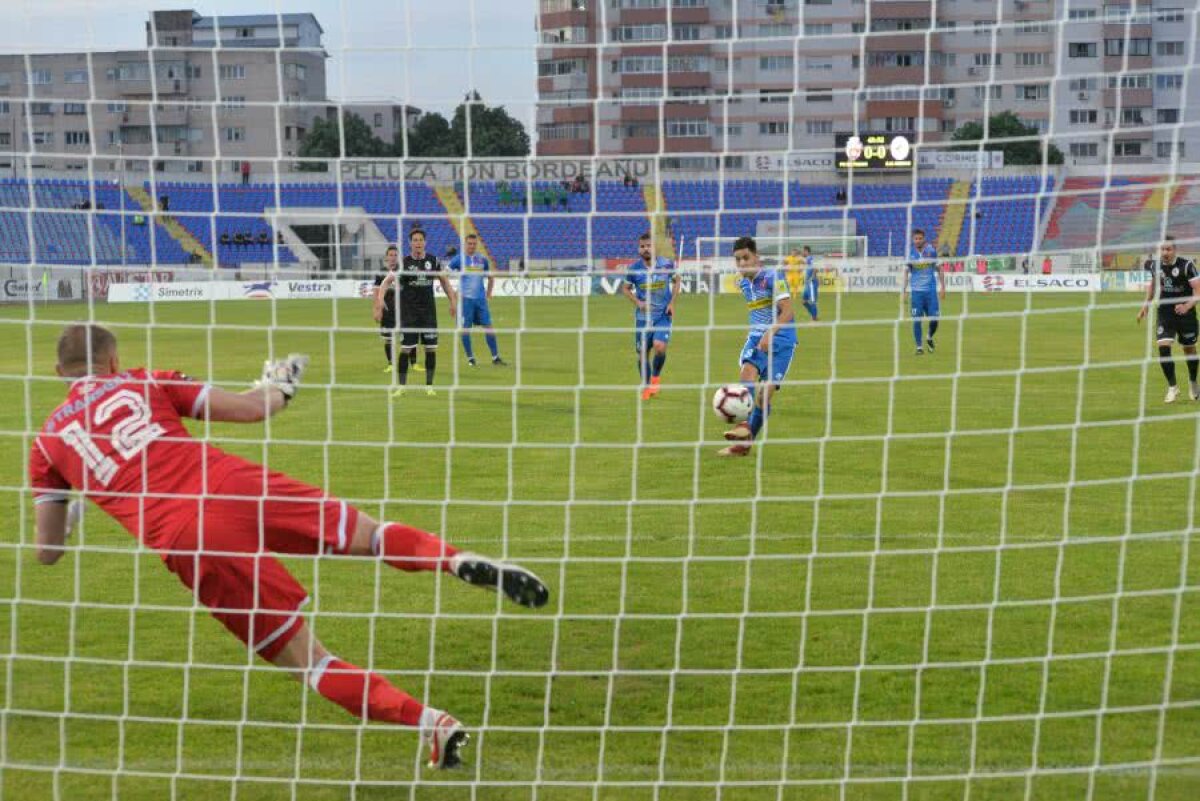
[(224, 554)]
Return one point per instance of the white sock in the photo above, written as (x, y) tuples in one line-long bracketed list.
[(429, 717)]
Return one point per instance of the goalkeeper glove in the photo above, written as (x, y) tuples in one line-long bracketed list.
[(284, 375)]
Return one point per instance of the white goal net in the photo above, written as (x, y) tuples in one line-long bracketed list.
[(955, 560)]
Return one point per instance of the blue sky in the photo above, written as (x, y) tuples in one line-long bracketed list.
[(424, 52)]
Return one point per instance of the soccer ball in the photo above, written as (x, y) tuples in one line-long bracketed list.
[(733, 403)]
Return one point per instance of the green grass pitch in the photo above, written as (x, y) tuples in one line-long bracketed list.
[(965, 573)]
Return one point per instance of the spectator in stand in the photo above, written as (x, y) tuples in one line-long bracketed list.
[(1047, 266), (1025, 265), (245, 173), (164, 203), (279, 237), (264, 238), (224, 240)]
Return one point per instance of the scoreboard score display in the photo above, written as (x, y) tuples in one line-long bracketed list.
[(873, 151)]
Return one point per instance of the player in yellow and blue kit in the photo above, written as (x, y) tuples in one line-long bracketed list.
[(928, 284), (652, 285), (476, 271), (769, 347)]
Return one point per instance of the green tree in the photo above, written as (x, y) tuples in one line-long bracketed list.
[(324, 141), (493, 133), (1007, 125), (429, 138)]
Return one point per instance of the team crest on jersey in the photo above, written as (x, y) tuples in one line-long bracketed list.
[(1174, 272)]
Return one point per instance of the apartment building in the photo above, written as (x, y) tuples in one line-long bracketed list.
[(692, 77), (206, 90)]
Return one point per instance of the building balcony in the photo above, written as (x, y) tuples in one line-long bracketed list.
[(1129, 98), (1119, 63), (902, 76)]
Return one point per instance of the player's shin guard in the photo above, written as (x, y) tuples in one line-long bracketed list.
[(493, 345), (1193, 366), (411, 549), (430, 366), (917, 332), (387, 349), (364, 694), (402, 367), (659, 360), (466, 343), (1167, 364), (933, 326)]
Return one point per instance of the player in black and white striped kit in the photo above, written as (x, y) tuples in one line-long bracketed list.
[(1177, 283)]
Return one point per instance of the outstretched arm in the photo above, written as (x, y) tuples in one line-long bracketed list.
[(279, 383)]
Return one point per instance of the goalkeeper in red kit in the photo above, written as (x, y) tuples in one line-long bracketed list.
[(216, 518)]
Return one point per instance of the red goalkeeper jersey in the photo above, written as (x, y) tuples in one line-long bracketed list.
[(120, 439)]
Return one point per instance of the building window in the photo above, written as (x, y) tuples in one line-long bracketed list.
[(775, 63), (722, 31), (563, 66), (118, 108), (774, 128), (1032, 91), (232, 72), (234, 134), (297, 71), (1127, 148), (774, 95), (685, 33), (1083, 84), (39, 77), (75, 76), (1083, 116), (774, 30), (378, 121), (731, 130), (1167, 116), (815, 127), (1170, 48), (822, 95), (42, 137), (192, 71), (824, 63), (986, 59), (818, 29), (637, 130), (684, 128), (3, 106), (5, 139), (637, 64), (894, 124), (1168, 81), (74, 108), (231, 102), (1081, 50), (77, 138), (1082, 13), (1027, 27), (40, 109), (655, 32), (1168, 15), (564, 130), (1031, 59), (1084, 150), (1135, 81), (1165, 149)]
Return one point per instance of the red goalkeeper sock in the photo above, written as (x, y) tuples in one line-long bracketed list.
[(411, 549), (364, 694)]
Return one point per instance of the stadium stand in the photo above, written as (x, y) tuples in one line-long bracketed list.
[(541, 220)]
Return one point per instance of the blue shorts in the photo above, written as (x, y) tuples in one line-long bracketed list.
[(925, 304), (647, 333), (772, 366), (475, 311)]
